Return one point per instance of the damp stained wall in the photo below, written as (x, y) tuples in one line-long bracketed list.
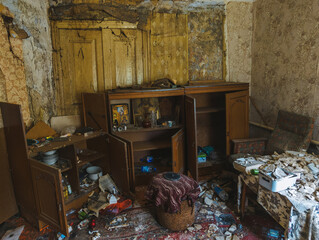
[(12, 76), (37, 52), (206, 36), (285, 51)]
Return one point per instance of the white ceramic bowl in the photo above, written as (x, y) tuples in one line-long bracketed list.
[(50, 153), (94, 172)]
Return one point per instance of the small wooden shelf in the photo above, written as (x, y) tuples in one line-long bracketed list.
[(152, 145), (83, 192), (203, 110), (84, 159), (141, 129)]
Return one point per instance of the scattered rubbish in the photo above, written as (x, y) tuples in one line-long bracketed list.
[(106, 184), (60, 236), (191, 229), (225, 220), (119, 207), (221, 193), (13, 234), (139, 228), (245, 165), (83, 224), (198, 226), (96, 235), (208, 201), (83, 213), (111, 198), (232, 228), (92, 225)]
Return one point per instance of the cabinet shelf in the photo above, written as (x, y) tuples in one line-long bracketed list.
[(141, 129), (75, 196), (84, 159), (151, 145), (203, 110)]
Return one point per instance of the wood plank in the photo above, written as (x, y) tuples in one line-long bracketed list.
[(152, 145), (33, 151), (209, 110), (8, 203), (145, 93), (18, 158), (216, 87)]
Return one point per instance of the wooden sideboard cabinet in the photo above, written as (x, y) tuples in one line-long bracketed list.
[(38, 186), (215, 114), (164, 140)]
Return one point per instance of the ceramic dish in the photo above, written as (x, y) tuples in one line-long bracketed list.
[(49, 153), (94, 172)]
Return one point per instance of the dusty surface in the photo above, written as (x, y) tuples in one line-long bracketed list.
[(285, 59)]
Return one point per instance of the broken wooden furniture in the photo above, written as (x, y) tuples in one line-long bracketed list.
[(162, 141), (173, 196), (296, 208), (292, 132), (38, 186), (215, 114)]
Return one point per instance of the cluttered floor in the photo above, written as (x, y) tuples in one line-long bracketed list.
[(214, 219)]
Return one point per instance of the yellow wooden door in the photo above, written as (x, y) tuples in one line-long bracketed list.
[(81, 57), (123, 56)]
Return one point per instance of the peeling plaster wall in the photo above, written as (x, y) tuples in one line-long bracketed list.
[(285, 59), (12, 78), (205, 43), (32, 16), (239, 19)]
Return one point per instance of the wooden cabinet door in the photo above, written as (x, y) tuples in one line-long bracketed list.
[(81, 59), (191, 136), (237, 117), (118, 158), (178, 151), (95, 110), (18, 159), (49, 198), (8, 203)]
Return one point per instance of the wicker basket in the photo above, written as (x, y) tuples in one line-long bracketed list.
[(177, 221)]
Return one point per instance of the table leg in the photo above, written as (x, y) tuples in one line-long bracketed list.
[(243, 200)]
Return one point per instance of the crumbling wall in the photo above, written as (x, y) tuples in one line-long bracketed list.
[(205, 42), (285, 53), (32, 16), (12, 78)]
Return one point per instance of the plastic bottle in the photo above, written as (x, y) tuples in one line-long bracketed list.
[(68, 185), (65, 188), (220, 192), (148, 169)]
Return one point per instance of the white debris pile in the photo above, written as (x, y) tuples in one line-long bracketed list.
[(300, 163)]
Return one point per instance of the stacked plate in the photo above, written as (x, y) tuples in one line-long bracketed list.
[(50, 157)]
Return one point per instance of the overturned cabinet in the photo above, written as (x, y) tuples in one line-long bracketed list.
[(149, 127), (215, 114)]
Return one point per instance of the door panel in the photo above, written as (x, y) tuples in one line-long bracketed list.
[(118, 157), (18, 160), (95, 110), (49, 199), (82, 67), (8, 203), (237, 117), (191, 136), (178, 151)]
